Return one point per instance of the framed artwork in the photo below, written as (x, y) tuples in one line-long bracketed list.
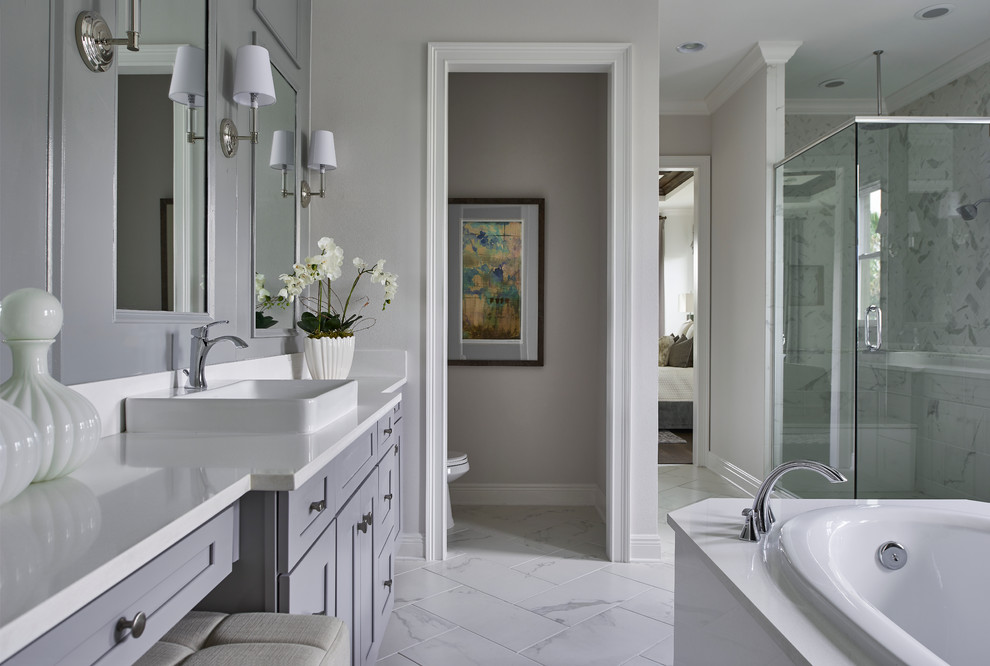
[(495, 281)]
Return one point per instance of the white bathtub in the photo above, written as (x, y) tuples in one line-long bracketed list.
[(931, 612)]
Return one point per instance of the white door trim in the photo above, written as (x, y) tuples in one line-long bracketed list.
[(701, 165), (614, 60)]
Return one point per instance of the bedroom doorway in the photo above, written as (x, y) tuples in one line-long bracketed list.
[(683, 356)]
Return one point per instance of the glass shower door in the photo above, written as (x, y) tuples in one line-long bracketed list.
[(815, 311)]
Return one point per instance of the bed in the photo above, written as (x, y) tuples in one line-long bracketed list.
[(675, 398)]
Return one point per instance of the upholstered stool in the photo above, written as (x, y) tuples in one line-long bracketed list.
[(252, 639)]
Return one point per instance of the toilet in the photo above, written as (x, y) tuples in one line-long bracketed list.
[(457, 466)]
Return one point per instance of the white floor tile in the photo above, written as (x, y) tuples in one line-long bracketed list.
[(396, 660), (506, 624), (577, 600), (404, 564), (497, 580), (606, 639), (656, 574), (460, 647), (638, 660), (559, 569), (662, 652), (410, 625), (419, 584), (497, 548), (656, 604)]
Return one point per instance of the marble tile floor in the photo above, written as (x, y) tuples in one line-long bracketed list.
[(531, 585)]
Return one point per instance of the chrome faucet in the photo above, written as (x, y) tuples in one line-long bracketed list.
[(760, 517), (200, 347)]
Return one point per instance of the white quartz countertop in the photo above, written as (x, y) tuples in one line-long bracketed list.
[(65, 542)]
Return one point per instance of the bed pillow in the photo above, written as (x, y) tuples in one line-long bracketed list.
[(665, 344), (681, 354), (689, 333), (682, 331)]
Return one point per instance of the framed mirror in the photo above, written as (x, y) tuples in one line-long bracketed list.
[(276, 160), (161, 236)]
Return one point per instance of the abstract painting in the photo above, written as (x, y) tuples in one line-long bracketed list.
[(492, 260)]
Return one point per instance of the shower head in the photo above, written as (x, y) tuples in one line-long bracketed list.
[(968, 211)]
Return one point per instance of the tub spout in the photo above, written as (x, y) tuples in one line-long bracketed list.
[(759, 518)]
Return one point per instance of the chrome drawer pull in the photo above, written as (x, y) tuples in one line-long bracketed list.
[(387, 431), (396, 452), (368, 518), (136, 625), (388, 583), (388, 497), (363, 526), (318, 507)]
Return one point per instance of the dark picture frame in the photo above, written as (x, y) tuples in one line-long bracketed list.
[(495, 281)]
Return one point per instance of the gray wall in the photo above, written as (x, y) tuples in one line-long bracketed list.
[(369, 87), (538, 135)]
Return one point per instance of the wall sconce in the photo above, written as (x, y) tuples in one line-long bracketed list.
[(322, 156), (253, 87), (283, 155), (96, 42), (188, 85)]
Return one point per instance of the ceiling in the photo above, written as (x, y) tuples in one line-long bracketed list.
[(839, 37)]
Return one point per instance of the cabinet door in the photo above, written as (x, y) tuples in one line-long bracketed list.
[(355, 567), (309, 588)]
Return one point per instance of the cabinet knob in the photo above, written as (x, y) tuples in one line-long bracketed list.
[(368, 518), (363, 526), (388, 583), (318, 507), (388, 497), (387, 431), (395, 451), (136, 625)]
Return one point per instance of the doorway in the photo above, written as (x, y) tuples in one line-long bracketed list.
[(613, 60)]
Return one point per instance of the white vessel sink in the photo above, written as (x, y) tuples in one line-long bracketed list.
[(259, 406)]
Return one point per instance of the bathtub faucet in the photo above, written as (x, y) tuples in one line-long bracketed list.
[(760, 517)]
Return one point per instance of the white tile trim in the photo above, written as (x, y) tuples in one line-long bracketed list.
[(644, 548)]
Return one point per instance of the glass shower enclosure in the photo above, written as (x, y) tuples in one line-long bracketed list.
[(882, 309)]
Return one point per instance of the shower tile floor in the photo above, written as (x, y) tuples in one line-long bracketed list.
[(531, 585)]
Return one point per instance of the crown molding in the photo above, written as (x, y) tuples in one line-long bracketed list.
[(831, 107), (683, 108), (959, 66), (758, 58)]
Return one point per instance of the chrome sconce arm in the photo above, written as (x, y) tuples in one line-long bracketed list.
[(322, 156), (229, 139), (96, 43)]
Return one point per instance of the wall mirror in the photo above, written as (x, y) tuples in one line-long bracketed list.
[(161, 237), (276, 160)]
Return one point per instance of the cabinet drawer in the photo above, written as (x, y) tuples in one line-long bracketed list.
[(387, 428), (352, 466), (164, 590), (309, 589), (384, 589), (305, 513)]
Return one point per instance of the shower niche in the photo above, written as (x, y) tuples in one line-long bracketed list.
[(882, 308)]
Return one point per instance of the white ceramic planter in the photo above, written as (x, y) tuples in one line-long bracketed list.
[(329, 358), (69, 424)]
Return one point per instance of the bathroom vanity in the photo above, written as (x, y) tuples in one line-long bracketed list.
[(95, 567)]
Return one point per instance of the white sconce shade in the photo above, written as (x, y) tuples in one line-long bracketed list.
[(322, 154), (253, 83), (189, 77), (283, 150), (685, 302)]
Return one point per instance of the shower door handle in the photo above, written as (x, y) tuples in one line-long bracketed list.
[(874, 310)]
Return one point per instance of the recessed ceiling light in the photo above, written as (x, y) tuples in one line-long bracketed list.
[(691, 47), (935, 11), (832, 83)]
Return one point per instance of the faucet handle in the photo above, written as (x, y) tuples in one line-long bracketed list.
[(202, 332)]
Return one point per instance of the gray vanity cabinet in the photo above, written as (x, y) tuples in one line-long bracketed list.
[(327, 547)]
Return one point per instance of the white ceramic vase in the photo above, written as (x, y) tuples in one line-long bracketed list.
[(69, 424), (20, 451), (329, 358)]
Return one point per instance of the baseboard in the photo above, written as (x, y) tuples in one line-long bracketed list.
[(411, 544), (600, 503), (535, 494), (737, 476), (644, 548)]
